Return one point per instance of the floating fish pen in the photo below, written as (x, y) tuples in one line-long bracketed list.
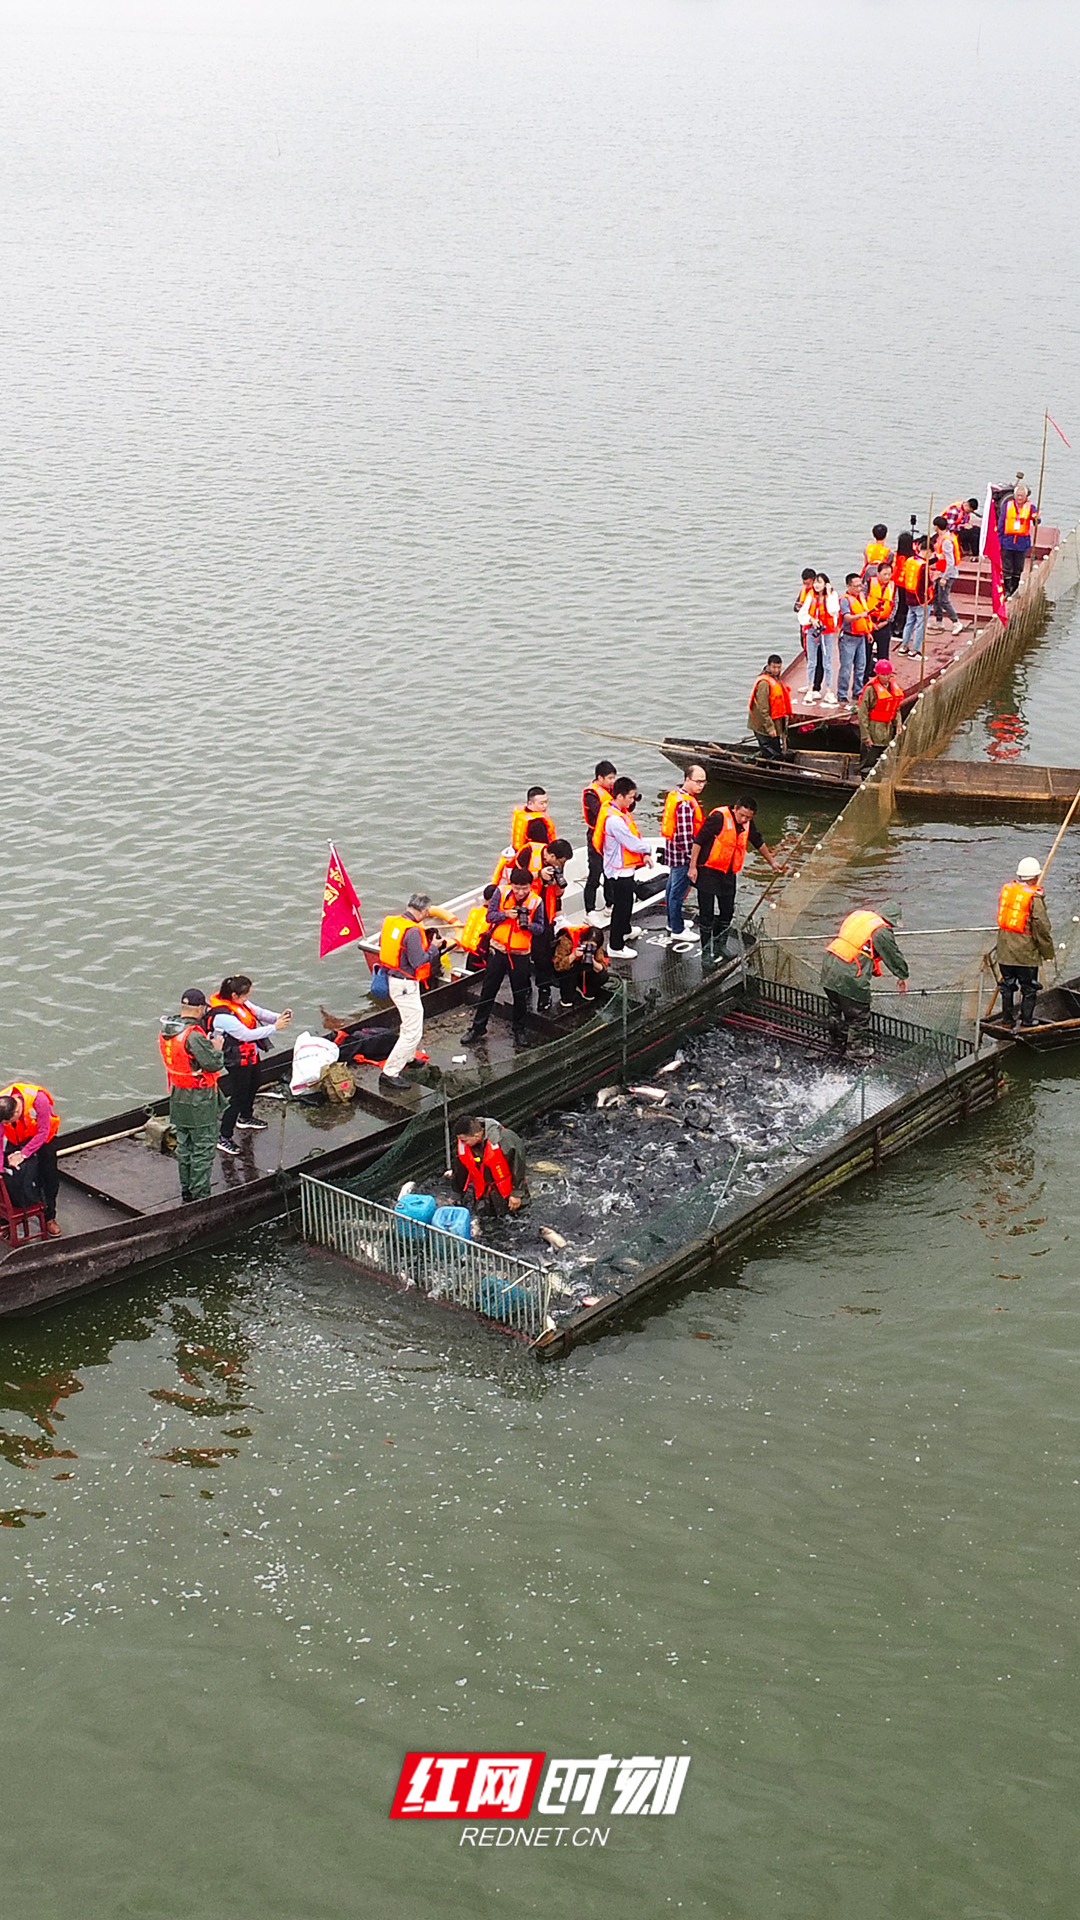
[(639, 1187)]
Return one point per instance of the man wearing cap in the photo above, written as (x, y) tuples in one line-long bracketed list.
[(406, 952), (193, 1063), (864, 944), (878, 712), (1024, 938)]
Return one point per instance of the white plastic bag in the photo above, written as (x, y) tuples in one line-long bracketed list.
[(311, 1053)]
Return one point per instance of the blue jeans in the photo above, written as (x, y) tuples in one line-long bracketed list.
[(943, 606), (678, 886), (852, 665), (819, 645), (913, 626)]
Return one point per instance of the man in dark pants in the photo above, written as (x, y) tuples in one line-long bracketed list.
[(864, 944), (1024, 938), (716, 859), (553, 884), (592, 799), (515, 913), (1017, 521), (29, 1124), (624, 856)]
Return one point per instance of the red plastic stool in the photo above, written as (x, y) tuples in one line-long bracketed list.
[(16, 1222)]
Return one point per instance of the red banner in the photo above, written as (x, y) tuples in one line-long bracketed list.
[(342, 919), (990, 545)]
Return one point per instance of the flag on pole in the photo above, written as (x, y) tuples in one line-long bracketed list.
[(990, 545), (1058, 431), (342, 919)]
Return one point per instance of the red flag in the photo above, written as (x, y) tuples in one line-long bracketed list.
[(990, 545), (1058, 431), (342, 920)]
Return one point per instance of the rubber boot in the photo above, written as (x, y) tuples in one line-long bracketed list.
[(543, 999), (1008, 996), (1027, 1006)]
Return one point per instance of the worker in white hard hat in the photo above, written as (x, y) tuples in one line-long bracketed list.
[(1024, 939)]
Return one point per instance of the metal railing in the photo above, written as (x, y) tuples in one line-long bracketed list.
[(509, 1291)]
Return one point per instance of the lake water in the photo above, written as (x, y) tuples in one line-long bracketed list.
[(392, 396)]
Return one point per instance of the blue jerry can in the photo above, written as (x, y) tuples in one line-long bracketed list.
[(420, 1208), (454, 1220)]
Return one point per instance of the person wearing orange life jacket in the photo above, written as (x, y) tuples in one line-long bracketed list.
[(535, 808), (29, 1124), (551, 883), (682, 816), (945, 570), (475, 936), (876, 553), (247, 1030), (716, 860), (530, 854), (580, 962), (881, 606), (488, 1167), (915, 588), (770, 709), (856, 627), (515, 914), (1024, 939), (624, 857), (963, 518), (407, 952), (864, 944), (193, 1065), (878, 713), (819, 618), (594, 796), (1017, 521)]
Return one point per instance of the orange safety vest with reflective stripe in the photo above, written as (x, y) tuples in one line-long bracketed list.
[(394, 929), (888, 700), (875, 554), (1014, 906), (1018, 519), (475, 930), (508, 934), (521, 821), (24, 1126), (181, 1069), (880, 601), (671, 809), (728, 850), (492, 1163), (779, 704), (856, 935)]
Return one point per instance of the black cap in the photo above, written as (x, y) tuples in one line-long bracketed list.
[(193, 997)]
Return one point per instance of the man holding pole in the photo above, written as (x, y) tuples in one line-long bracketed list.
[(1024, 939)]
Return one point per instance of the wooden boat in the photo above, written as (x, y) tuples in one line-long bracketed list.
[(1056, 1024), (739, 763)]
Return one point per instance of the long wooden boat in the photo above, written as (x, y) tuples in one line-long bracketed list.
[(1056, 1023), (739, 763)]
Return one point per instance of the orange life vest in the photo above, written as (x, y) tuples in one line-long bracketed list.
[(247, 1050), (875, 554), (475, 931), (630, 856), (1014, 906), (880, 601), (728, 850), (855, 937), (779, 704), (946, 551), (182, 1070), (671, 809), (492, 1168), (1018, 519), (23, 1128), (888, 700), (821, 614), (601, 793), (858, 615), (508, 934), (910, 579), (521, 821), (530, 855), (394, 929), (598, 831), (957, 515)]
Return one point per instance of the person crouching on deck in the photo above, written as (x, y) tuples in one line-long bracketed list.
[(863, 945), (489, 1169), (29, 1124)]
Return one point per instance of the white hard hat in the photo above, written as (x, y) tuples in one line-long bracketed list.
[(1028, 870)]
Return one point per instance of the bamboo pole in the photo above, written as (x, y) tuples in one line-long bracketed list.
[(1038, 500), (1060, 833)]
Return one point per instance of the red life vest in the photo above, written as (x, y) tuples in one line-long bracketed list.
[(779, 702), (394, 929), (23, 1128), (508, 934), (181, 1069), (491, 1169), (888, 700), (522, 819), (1014, 906), (728, 850), (1018, 520), (855, 937), (671, 809), (246, 1050)]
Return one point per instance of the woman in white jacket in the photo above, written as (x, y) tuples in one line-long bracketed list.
[(819, 618)]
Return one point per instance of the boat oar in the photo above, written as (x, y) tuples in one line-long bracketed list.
[(628, 739)]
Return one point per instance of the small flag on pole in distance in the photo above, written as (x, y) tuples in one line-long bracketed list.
[(990, 545), (342, 919), (1058, 431)]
